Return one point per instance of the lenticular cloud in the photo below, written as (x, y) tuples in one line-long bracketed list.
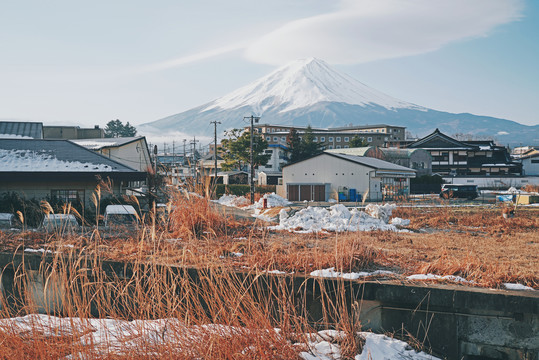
[(368, 30)]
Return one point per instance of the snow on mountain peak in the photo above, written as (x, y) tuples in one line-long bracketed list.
[(303, 83)]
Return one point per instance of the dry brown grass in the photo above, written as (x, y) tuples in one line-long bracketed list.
[(475, 243)]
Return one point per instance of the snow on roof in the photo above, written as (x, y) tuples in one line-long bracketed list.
[(14, 136), (120, 209), (99, 143), (53, 156), (27, 160)]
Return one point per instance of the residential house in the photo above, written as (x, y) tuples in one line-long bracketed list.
[(530, 163), (59, 169), (451, 157), (130, 151), (343, 177)]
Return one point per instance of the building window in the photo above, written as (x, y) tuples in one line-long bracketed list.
[(330, 138), (315, 139), (369, 139), (68, 196), (283, 138), (322, 139), (330, 147), (338, 147), (275, 138), (346, 146), (268, 138), (338, 139), (346, 139)]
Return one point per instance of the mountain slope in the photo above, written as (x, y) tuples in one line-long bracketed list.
[(310, 92)]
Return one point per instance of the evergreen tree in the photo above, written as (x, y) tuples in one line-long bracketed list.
[(358, 142), (294, 146), (309, 147), (237, 150), (115, 128)]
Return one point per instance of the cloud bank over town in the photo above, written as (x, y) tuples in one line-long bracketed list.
[(370, 30)]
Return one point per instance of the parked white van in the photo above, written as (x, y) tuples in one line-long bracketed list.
[(120, 215)]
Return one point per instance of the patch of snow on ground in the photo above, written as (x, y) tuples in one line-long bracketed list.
[(331, 273), (452, 278), (324, 346), (337, 218), (109, 337), (512, 286)]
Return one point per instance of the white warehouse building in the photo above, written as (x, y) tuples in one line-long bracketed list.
[(345, 178)]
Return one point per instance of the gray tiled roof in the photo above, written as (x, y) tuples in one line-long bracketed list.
[(15, 129), (29, 155)]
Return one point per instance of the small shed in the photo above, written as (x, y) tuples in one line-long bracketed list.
[(346, 178)]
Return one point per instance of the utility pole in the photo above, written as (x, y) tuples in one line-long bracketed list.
[(183, 161), (194, 143), (215, 146), (253, 119)]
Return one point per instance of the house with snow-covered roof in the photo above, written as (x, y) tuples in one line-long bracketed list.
[(345, 178), (130, 151), (41, 169)]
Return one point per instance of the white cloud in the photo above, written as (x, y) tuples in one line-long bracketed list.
[(192, 58), (368, 30)]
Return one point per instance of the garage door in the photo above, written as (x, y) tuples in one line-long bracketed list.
[(306, 192), (293, 192)]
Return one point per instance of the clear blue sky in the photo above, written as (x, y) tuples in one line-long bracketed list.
[(85, 63)]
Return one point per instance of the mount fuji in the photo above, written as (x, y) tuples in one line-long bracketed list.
[(310, 92)]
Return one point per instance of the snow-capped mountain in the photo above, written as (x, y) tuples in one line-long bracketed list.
[(302, 84), (309, 91)]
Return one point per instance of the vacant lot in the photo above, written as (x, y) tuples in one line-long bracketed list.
[(476, 243)]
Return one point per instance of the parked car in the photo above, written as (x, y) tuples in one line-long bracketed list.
[(450, 191), (120, 216), (60, 223), (9, 221)]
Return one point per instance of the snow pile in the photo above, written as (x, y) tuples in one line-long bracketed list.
[(382, 212), (273, 200), (399, 222), (233, 201), (324, 345), (112, 338), (512, 286), (331, 273), (338, 218)]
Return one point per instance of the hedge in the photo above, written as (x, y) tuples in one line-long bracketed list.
[(241, 190)]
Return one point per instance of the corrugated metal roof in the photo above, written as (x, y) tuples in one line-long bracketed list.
[(16, 129), (22, 155), (372, 162)]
